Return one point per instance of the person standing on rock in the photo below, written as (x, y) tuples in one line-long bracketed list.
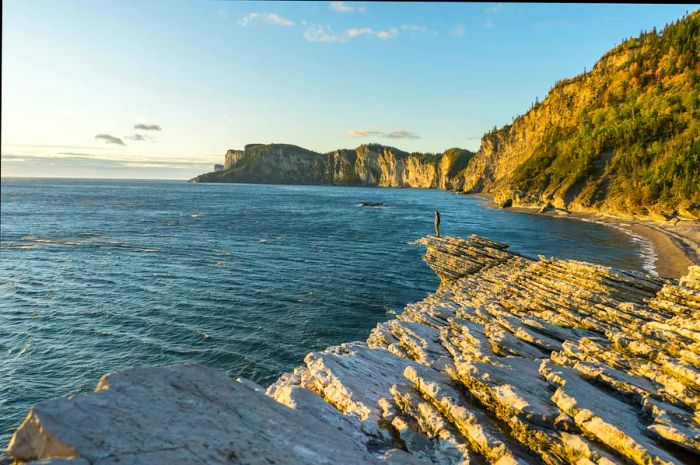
[(437, 223)]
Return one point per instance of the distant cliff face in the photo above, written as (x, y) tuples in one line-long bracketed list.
[(623, 138), (368, 165), (231, 157)]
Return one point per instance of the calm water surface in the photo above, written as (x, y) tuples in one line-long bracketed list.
[(98, 275)]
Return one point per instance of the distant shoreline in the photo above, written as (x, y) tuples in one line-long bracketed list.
[(675, 246)]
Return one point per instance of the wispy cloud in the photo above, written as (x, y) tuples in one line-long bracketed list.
[(318, 33), (148, 127), (346, 7), (401, 134), (495, 9), (488, 24), (458, 30), (368, 31), (364, 133), (109, 139), (414, 29), (321, 33), (139, 137), (268, 18)]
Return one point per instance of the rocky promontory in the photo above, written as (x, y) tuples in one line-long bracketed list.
[(367, 165), (513, 360)]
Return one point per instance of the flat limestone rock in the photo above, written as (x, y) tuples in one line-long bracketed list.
[(182, 414), (302, 399), (514, 388), (354, 378), (484, 436), (614, 422)]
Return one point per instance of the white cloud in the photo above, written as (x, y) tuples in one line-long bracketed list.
[(413, 29), (356, 32), (368, 31), (268, 18), (319, 33), (458, 30), (364, 133), (489, 24), (388, 34), (400, 134), (346, 7)]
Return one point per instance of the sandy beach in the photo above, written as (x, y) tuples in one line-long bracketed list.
[(675, 246)]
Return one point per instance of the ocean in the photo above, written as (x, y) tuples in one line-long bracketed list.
[(101, 275)]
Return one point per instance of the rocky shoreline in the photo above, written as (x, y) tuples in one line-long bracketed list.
[(512, 360)]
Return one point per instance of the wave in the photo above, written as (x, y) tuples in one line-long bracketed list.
[(36, 242)]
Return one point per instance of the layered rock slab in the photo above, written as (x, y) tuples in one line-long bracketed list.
[(186, 414)]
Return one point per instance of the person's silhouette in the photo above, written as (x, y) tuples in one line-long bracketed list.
[(437, 223)]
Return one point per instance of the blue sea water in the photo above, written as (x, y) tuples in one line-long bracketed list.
[(99, 275)]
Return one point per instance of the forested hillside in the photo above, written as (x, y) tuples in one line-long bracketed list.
[(623, 138)]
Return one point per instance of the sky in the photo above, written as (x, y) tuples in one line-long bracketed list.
[(161, 89)]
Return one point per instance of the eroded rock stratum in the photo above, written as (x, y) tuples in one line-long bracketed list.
[(512, 360)]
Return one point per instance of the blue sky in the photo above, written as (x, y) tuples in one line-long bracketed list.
[(202, 77)]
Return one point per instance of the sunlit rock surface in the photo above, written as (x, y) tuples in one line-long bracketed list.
[(511, 361)]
